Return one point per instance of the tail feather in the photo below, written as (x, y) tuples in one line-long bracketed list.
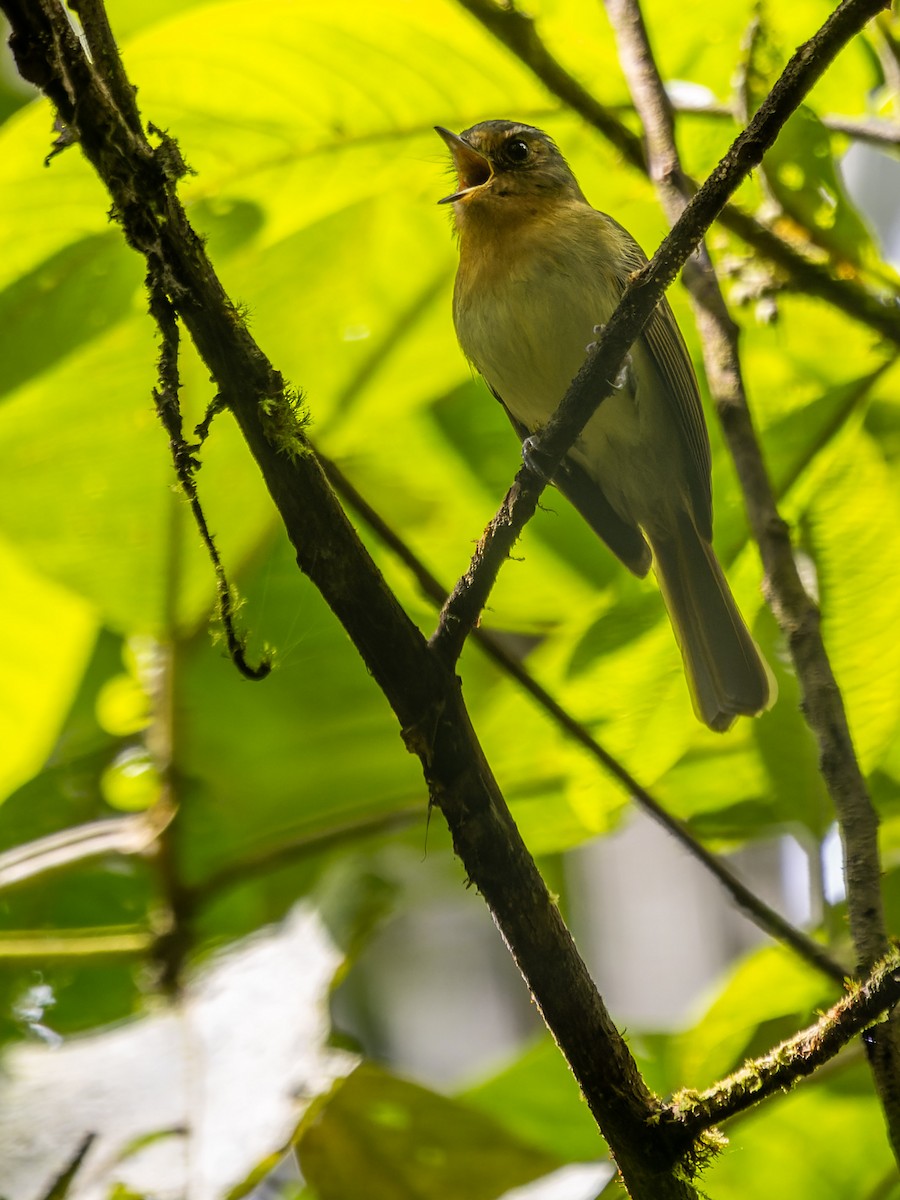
[(727, 675)]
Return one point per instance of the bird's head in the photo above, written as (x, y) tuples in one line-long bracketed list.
[(504, 170)]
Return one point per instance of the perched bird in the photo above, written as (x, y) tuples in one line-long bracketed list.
[(539, 269)]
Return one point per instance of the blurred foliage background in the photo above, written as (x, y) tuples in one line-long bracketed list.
[(295, 814)]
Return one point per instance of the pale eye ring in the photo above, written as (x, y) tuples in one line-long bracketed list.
[(517, 150)]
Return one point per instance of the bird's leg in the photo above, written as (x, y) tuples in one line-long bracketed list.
[(623, 379), (531, 452), (532, 455)]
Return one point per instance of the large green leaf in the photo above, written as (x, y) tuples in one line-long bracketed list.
[(854, 536), (38, 674), (392, 1140), (538, 1100), (768, 990)]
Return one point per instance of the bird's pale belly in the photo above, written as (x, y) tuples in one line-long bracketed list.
[(529, 342)]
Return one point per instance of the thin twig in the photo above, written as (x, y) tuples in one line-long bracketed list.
[(133, 834), (186, 465), (295, 850), (762, 915), (36, 945), (516, 30), (876, 131), (61, 1185), (797, 614)]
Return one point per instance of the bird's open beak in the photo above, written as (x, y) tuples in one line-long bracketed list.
[(473, 169)]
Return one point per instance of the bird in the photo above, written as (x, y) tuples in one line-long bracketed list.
[(540, 272)]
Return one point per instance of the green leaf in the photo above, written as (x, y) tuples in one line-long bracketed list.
[(803, 176), (312, 751), (537, 1099), (764, 997), (38, 674), (392, 1140), (854, 537)]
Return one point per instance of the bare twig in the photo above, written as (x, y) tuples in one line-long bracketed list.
[(133, 834), (36, 945), (798, 616), (875, 131), (517, 31), (290, 851), (168, 408)]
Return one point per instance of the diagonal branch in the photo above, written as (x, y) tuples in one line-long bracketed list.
[(516, 30), (797, 614), (753, 906)]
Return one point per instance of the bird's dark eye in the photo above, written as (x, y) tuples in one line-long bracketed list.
[(516, 150)]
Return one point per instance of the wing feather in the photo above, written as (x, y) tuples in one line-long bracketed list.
[(665, 344)]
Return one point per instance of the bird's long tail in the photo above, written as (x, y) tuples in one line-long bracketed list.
[(727, 675)]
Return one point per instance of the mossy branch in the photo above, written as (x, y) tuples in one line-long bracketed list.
[(859, 1012)]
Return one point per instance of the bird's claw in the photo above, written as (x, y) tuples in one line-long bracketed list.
[(532, 455), (622, 380), (592, 346)]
